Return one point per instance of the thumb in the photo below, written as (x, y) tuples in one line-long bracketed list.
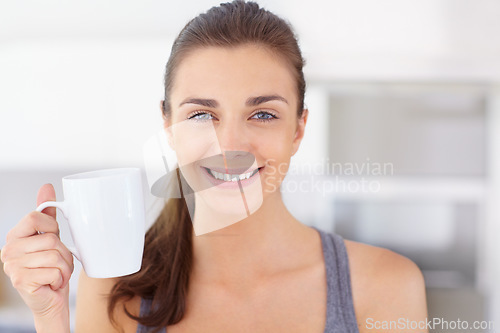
[(47, 193)]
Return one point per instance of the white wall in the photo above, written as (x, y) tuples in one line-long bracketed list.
[(84, 104), (490, 261), (400, 39)]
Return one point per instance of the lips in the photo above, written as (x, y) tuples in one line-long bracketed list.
[(231, 175), (234, 171)]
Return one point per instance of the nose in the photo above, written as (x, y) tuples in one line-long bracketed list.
[(232, 136)]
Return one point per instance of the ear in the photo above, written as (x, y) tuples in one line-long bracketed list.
[(299, 133), (166, 120), (167, 123)]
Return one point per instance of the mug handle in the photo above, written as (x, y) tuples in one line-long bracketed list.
[(62, 206)]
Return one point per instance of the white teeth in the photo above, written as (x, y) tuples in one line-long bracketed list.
[(229, 177)]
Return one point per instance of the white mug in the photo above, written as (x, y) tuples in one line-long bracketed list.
[(106, 216)]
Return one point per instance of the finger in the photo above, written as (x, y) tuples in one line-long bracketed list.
[(45, 259), (47, 193), (37, 243), (30, 280), (31, 224)]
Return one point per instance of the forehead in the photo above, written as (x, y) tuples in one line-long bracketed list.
[(233, 73)]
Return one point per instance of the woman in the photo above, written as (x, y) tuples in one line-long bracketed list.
[(239, 68)]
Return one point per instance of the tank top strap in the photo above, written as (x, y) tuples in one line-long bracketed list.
[(340, 315), (145, 308)]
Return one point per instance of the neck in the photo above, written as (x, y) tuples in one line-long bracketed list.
[(261, 244)]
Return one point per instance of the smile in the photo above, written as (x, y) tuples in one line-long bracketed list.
[(231, 177)]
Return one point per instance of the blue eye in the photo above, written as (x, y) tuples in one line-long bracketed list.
[(264, 116), (201, 116)]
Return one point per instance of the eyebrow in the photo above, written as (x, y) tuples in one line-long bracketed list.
[(251, 101), (209, 103)]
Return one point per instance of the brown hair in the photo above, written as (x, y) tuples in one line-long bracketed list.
[(167, 259)]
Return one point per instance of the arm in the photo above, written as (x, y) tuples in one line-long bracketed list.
[(92, 307), (40, 266), (388, 290)]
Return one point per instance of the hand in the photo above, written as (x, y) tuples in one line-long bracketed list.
[(39, 265)]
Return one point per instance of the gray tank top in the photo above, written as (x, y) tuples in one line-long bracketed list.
[(340, 316)]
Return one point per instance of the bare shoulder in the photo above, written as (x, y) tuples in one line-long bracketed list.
[(386, 286), (92, 307)]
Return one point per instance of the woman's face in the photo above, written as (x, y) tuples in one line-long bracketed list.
[(234, 110)]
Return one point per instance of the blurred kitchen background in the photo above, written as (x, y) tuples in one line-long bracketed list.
[(402, 148)]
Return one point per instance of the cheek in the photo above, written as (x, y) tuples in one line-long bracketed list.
[(273, 145), (277, 153), (194, 141), (281, 142)]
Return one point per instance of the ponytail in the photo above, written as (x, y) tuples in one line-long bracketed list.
[(166, 266)]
